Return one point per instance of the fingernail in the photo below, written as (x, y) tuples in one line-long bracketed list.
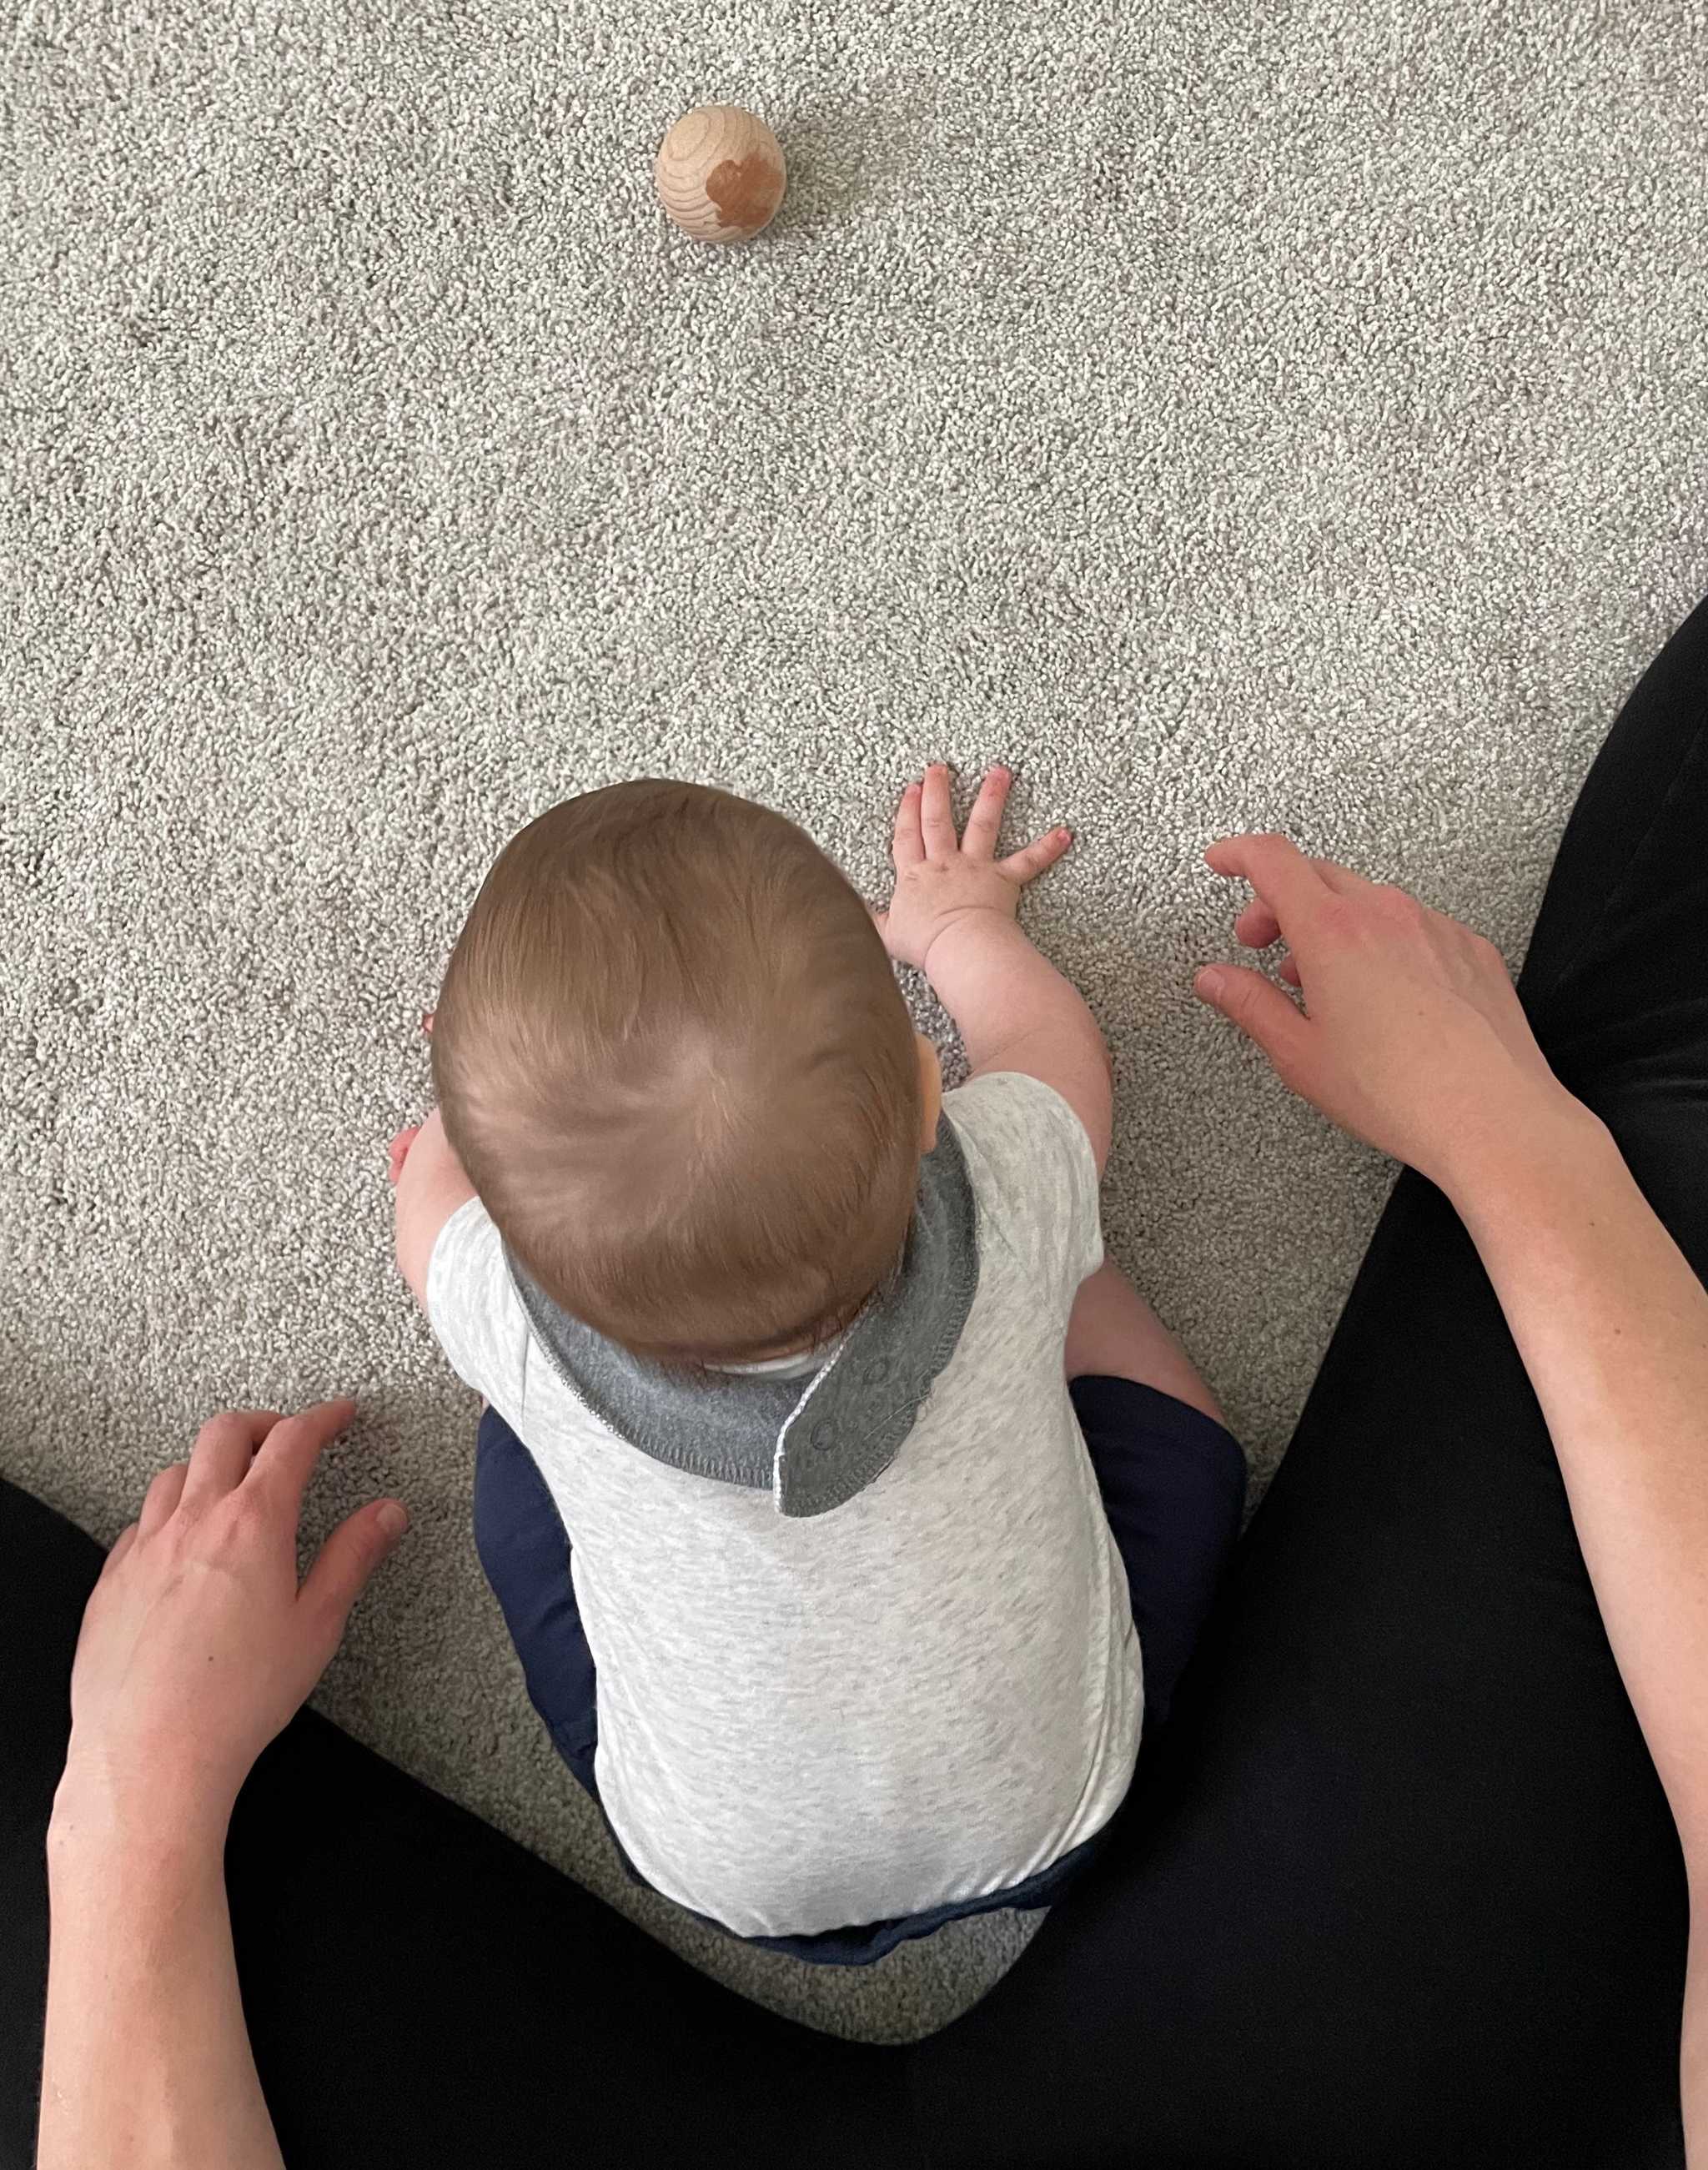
[(393, 1520), (1210, 982)]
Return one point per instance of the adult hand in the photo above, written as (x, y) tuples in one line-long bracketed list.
[(1411, 1036), (198, 1644), (941, 879)]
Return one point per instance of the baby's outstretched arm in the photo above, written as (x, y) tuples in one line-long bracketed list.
[(430, 1185), (952, 915)]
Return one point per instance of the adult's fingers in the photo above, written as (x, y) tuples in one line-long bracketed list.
[(936, 816), (1028, 864), (161, 1500), (347, 1559), (285, 1460), (1293, 886), (1261, 1011), (1287, 969), (224, 1449), (1257, 927), (984, 822)]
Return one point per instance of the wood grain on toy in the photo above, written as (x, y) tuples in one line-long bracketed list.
[(720, 173)]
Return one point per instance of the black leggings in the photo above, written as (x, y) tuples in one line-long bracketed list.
[(1398, 1886)]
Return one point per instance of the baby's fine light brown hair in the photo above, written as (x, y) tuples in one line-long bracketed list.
[(671, 1055)]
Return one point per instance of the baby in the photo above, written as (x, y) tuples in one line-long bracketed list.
[(824, 1576)]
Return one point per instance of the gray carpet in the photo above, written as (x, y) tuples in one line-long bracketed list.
[(1282, 414)]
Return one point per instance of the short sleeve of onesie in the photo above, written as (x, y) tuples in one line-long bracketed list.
[(473, 1308), (1030, 1163)]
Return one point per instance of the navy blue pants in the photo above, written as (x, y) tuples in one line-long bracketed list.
[(1173, 1483)]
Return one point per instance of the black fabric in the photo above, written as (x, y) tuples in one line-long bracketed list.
[(47, 1570), (1401, 1890)]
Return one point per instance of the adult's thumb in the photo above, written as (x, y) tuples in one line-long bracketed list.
[(350, 1556), (1261, 1011)]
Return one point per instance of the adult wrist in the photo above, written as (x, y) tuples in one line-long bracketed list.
[(100, 1814), (1546, 1133)]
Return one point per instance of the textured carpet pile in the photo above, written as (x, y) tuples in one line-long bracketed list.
[(1288, 414)]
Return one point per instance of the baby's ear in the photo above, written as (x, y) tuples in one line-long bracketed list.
[(930, 1091)]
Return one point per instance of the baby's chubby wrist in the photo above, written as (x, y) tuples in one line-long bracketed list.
[(972, 936)]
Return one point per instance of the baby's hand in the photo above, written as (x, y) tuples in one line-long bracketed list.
[(940, 880), (398, 1151)]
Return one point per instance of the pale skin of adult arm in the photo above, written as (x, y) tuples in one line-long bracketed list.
[(197, 1646), (1411, 1037), (952, 915)]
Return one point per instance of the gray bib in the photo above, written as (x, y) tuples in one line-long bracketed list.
[(814, 1444)]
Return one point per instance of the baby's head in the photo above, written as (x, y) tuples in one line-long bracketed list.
[(672, 1057)]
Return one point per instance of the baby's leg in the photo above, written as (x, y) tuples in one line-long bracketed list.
[(1172, 1481), (1114, 1333)]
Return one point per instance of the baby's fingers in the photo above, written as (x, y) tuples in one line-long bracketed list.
[(1032, 860), (984, 822), (937, 814), (907, 846)]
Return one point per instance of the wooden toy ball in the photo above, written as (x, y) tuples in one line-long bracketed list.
[(720, 173)]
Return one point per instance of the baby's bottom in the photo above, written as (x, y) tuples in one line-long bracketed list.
[(1172, 1478), (1172, 1483)]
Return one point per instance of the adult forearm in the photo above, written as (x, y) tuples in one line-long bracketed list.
[(1412, 1038), (1613, 1326), (146, 2062), (1694, 2063)]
